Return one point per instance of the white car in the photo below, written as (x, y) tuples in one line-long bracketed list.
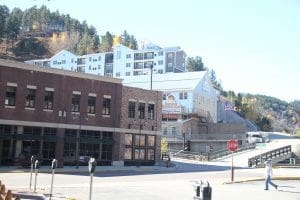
[(254, 137)]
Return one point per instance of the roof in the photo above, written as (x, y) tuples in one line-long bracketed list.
[(25, 66), (166, 82)]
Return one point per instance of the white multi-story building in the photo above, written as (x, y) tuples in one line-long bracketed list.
[(123, 61), (183, 93)]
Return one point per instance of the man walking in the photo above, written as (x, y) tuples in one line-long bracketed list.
[(268, 175)]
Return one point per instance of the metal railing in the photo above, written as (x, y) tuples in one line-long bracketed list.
[(275, 155), (225, 152), (208, 156)]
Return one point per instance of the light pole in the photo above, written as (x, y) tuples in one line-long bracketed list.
[(78, 138)]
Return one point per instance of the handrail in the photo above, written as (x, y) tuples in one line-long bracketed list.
[(225, 152), (276, 153)]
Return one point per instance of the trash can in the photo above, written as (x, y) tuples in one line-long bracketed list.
[(203, 191)]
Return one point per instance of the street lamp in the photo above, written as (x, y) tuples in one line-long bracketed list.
[(78, 137)]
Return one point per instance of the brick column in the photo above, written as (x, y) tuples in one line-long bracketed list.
[(118, 149), (59, 151)]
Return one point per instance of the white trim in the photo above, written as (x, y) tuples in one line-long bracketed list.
[(29, 108), (6, 106), (132, 100), (31, 87), (49, 89), (48, 110), (11, 84), (92, 95), (76, 92), (142, 101), (107, 96), (151, 102), (106, 116)]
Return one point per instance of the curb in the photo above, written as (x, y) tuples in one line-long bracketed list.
[(262, 179)]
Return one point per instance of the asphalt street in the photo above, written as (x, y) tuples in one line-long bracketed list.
[(145, 183)]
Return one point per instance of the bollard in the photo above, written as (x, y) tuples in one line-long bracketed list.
[(36, 168), (53, 166), (92, 168), (31, 170)]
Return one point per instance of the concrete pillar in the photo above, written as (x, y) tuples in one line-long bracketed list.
[(59, 151), (118, 149), (18, 149)]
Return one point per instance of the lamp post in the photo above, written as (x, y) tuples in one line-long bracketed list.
[(78, 137)]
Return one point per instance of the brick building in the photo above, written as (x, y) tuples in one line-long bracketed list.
[(67, 115)]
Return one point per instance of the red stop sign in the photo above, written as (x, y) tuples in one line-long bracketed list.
[(232, 145)]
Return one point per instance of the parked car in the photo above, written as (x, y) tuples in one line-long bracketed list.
[(254, 137)]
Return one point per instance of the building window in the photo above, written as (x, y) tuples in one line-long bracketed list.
[(165, 131), (160, 62), (150, 154), (127, 73), (48, 100), (128, 139), (141, 110), (10, 96), (63, 61), (106, 106), (160, 53), (150, 111), (140, 140), (148, 55), (54, 62), (118, 74), (118, 54), (138, 56), (128, 56), (128, 153), (170, 55), (91, 105), (160, 71), (131, 109), (128, 64), (30, 98), (174, 131), (75, 103), (90, 59), (150, 140), (183, 95)]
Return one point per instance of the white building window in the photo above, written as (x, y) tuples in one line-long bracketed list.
[(160, 71), (160, 53), (183, 95), (118, 54), (127, 73), (118, 74), (160, 62), (128, 56), (128, 64)]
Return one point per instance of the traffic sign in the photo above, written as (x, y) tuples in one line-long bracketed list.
[(232, 145)]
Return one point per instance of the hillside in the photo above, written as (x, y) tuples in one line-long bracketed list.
[(268, 113)]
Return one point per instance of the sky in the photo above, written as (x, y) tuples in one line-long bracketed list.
[(252, 45)]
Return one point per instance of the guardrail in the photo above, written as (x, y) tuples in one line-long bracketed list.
[(225, 152), (275, 155), (209, 156)]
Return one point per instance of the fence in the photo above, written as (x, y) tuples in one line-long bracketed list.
[(275, 155)]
